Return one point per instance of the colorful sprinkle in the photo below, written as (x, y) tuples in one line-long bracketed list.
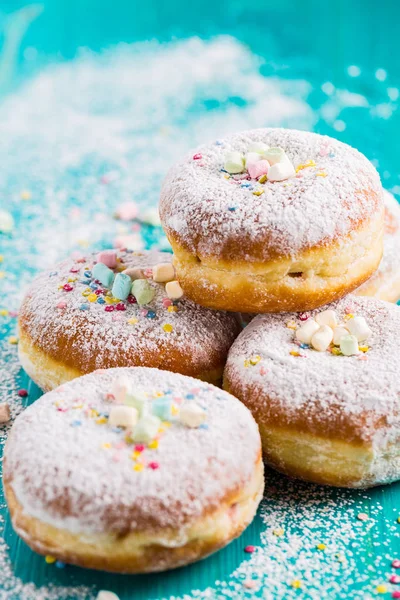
[(67, 287), (249, 549), (296, 584), (394, 579), (23, 393), (396, 563), (109, 308), (258, 192), (150, 314), (13, 340), (154, 466), (321, 547), (278, 532), (168, 328), (381, 589), (362, 517), (138, 467), (50, 560), (197, 156)]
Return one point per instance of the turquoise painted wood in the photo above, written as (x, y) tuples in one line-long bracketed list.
[(309, 41)]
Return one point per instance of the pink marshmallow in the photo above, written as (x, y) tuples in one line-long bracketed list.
[(127, 211), (108, 258), (258, 168)]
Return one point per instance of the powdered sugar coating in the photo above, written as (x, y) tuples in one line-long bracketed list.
[(86, 336), (354, 398), (210, 213), (81, 477), (391, 240)]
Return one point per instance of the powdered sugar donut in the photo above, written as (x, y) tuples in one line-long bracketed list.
[(133, 470), (324, 416), (385, 282), (71, 324), (244, 241)]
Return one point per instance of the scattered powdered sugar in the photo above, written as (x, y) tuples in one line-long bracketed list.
[(295, 518), (71, 471), (89, 333), (361, 392), (211, 213)]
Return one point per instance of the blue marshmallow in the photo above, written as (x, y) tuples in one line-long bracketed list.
[(122, 286), (103, 274)]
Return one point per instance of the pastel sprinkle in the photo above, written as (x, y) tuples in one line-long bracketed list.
[(62, 304), (362, 517), (296, 584), (381, 589), (13, 340), (396, 563), (278, 532), (3, 312)]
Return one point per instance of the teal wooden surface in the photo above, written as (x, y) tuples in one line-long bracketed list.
[(299, 57)]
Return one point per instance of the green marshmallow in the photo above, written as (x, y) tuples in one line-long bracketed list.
[(143, 291), (137, 400), (146, 429)]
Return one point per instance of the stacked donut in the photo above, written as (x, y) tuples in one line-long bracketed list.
[(133, 461)]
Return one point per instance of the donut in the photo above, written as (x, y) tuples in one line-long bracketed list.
[(133, 470), (244, 241), (71, 323), (332, 415), (385, 282)]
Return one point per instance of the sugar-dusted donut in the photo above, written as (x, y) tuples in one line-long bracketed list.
[(70, 325), (385, 282), (324, 416), (133, 470), (245, 242)]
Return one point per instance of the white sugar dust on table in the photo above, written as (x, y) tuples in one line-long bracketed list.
[(75, 146)]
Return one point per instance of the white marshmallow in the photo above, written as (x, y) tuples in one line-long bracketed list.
[(275, 155), (306, 331), (106, 595), (327, 317), (349, 345), (234, 162), (174, 290), (258, 147), (281, 171), (322, 338), (163, 272), (6, 222), (191, 414), (358, 326), (123, 416), (338, 333), (252, 157), (150, 216)]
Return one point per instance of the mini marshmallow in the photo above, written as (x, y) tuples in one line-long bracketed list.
[(150, 216), (134, 273), (274, 155), (146, 428), (174, 290), (123, 416), (338, 333), (163, 272), (281, 171), (192, 415), (106, 595), (162, 408), (251, 158), (120, 388), (259, 147), (137, 400), (234, 162), (122, 286), (103, 274), (4, 413), (358, 326), (127, 211), (108, 258), (327, 317), (349, 345), (258, 168), (142, 291), (322, 338), (6, 222), (306, 331)]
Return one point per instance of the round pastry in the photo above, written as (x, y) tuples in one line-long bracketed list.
[(324, 389), (272, 220), (118, 309), (385, 282), (133, 470)]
